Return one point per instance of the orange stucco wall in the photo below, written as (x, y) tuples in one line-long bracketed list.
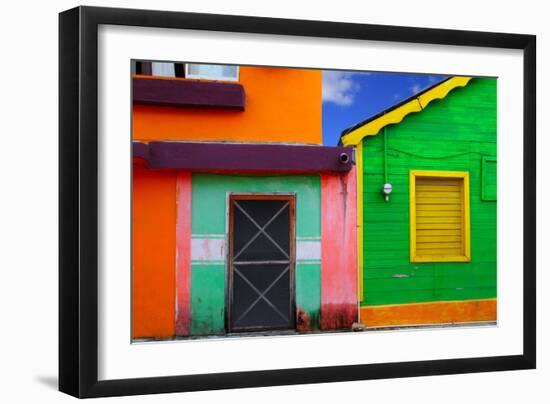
[(153, 253), (282, 105)]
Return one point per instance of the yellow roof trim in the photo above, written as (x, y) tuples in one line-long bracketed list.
[(417, 104)]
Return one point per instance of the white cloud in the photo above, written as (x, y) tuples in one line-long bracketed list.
[(339, 87), (415, 88)]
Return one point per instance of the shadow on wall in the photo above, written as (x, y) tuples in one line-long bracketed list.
[(51, 382)]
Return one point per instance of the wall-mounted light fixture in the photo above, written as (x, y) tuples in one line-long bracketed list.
[(387, 189)]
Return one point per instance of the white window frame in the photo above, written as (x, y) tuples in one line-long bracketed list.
[(205, 77)]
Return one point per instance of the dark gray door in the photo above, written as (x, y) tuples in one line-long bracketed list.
[(261, 276)]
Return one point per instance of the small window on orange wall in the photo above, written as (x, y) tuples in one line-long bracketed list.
[(439, 216), (212, 72)]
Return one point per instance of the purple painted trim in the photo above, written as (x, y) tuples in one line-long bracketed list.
[(246, 157), (187, 93), (140, 151)]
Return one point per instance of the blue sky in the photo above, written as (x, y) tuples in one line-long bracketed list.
[(350, 97)]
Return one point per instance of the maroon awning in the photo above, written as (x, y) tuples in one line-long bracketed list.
[(187, 93), (244, 158)]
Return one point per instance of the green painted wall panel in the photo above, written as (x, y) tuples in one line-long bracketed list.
[(452, 134), (308, 292), (209, 216), (211, 190), (207, 299)]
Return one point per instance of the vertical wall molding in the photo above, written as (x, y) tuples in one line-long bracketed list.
[(183, 254), (359, 180)]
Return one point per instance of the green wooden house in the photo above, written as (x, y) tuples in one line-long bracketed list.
[(427, 211)]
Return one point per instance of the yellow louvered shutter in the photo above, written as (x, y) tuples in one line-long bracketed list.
[(439, 217)]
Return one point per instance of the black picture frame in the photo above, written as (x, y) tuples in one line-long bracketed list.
[(78, 201)]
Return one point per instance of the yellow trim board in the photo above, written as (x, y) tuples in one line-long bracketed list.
[(359, 173), (397, 115), (440, 312)]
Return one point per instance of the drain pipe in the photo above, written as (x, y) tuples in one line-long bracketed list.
[(385, 156)]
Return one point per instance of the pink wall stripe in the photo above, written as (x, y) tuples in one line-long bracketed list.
[(183, 254), (338, 250)]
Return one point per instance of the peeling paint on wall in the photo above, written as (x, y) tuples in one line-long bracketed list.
[(339, 251), (210, 248)]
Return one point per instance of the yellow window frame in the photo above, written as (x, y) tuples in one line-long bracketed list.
[(465, 176)]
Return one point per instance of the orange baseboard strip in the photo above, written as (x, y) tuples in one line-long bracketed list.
[(429, 313)]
